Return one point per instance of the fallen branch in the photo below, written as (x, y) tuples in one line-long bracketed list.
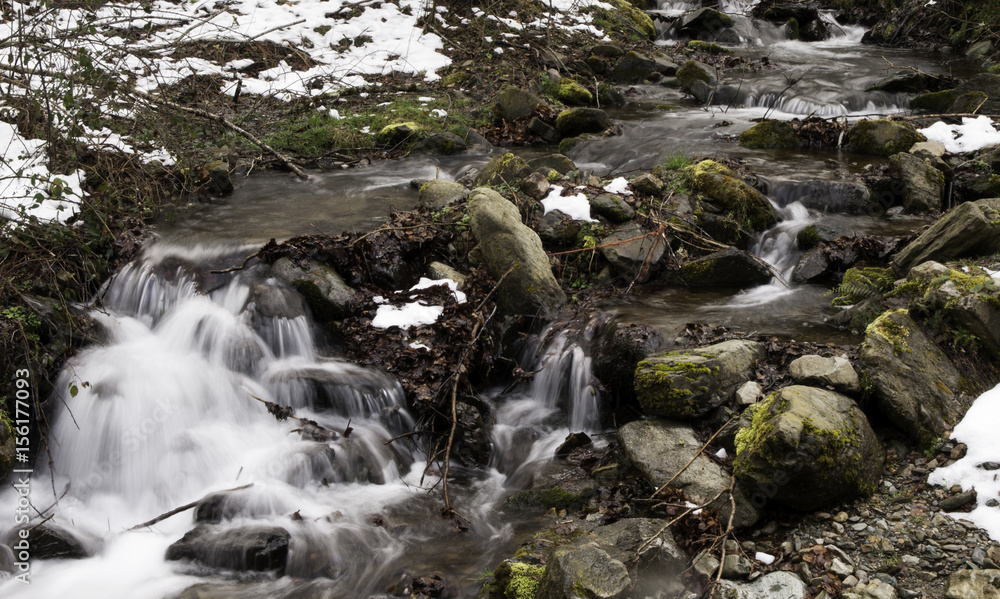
[(638, 552), (691, 461), (182, 508)]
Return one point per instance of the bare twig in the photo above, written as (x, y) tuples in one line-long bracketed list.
[(691, 461), (182, 508)]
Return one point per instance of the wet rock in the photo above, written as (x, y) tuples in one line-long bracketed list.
[(973, 584), (439, 193), (54, 541), (776, 585), (726, 268), (660, 448), (253, 548), (987, 84), (557, 162), (693, 71), (572, 93), (612, 208), (577, 121), (632, 251), (472, 139), (934, 102), (809, 448), (703, 22), (572, 441), (957, 501), (7, 560), (827, 196), (557, 228), (647, 184), (922, 184), (507, 244), (749, 208), (583, 571), (472, 443), (543, 130), (904, 81), (979, 50), (617, 351), (969, 103), (814, 31), (506, 168), (813, 235), (444, 144), (770, 134), (689, 384), (220, 181), (702, 91), (835, 372), (983, 186), (911, 378), (535, 186), (882, 137), (397, 133), (633, 68), (513, 103), (326, 293), (967, 230), (624, 540)]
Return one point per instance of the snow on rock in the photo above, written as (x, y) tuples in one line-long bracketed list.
[(575, 206), (978, 431), (971, 135), (619, 186)]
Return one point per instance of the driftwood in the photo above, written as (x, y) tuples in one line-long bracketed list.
[(182, 508)]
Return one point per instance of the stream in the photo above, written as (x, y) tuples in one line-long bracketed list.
[(164, 413)]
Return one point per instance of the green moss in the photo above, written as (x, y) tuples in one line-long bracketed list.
[(454, 78), (572, 93), (890, 330), (707, 47), (936, 102), (770, 134), (881, 137), (544, 499), (523, 583), (792, 28), (808, 238), (860, 284), (748, 208), (756, 438), (566, 145), (690, 72)]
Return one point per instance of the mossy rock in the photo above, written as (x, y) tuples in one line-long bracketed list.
[(572, 93), (577, 121), (692, 71), (708, 47), (633, 68), (770, 134), (882, 137), (642, 22), (398, 133), (506, 168), (513, 580), (726, 268), (934, 102), (748, 208), (968, 102), (811, 447), (513, 103), (807, 238)]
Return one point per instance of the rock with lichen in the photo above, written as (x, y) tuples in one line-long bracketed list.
[(746, 207), (808, 448), (882, 137), (970, 229), (770, 134)]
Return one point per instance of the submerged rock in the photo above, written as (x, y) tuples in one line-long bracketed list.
[(911, 379), (809, 448), (882, 137), (254, 548), (689, 384), (660, 448), (969, 229), (326, 293), (577, 121), (508, 245), (770, 134), (727, 268)]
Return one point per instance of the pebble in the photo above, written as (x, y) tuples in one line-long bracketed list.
[(841, 569), (859, 526), (841, 517), (850, 581), (990, 465)]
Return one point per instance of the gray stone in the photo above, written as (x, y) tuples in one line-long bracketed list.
[(627, 539), (220, 180), (577, 121), (631, 249), (660, 448), (634, 68), (904, 81), (254, 548), (730, 267), (445, 144), (875, 589), (647, 184), (956, 502), (912, 380), (816, 370), (535, 186), (557, 162), (882, 137), (749, 393), (438, 270), (506, 168), (973, 584), (507, 245), (326, 293), (438, 193), (557, 228), (928, 149), (513, 103), (736, 566), (969, 229), (705, 564), (812, 266), (612, 208), (583, 571), (922, 184), (703, 21), (690, 384), (980, 50), (546, 132), (809, 448), (776, 585)]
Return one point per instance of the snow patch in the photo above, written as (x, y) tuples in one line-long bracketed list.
[(576, 206), (971, 135)]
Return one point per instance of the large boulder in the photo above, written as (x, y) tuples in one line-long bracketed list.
[(513, 103), (250, 549), (776, 585), (835, 372), (689, 384), (514, 252), (617, 351), (704, 22), (633, 251), (633, 68), (693, 71), (825, 196), (922, 184), (748, 207), (577, 121), (912, 380), (439, 193), (973, 584), (660, 448), (583, 571), (506, 168), (326, 293), (969, 229), (770, 134), (726, 268), (882, 138), (809, 448)]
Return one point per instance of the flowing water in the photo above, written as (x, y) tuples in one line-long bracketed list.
[(168, 410)]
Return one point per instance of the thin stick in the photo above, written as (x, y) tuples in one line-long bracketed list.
[(691, 461), (638, 551), (182, 508)]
